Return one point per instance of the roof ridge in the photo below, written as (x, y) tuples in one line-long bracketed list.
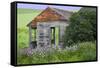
[(62, 12), (64, 15)]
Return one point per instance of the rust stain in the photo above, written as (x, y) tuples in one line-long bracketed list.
[(47, 15)]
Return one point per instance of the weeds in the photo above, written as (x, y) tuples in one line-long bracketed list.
[(85, 51)]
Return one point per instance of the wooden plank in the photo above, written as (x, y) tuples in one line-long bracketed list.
[(30, 35)]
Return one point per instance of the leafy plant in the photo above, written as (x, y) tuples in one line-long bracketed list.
[(82, 27)]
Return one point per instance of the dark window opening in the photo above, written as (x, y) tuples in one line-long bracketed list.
[(33, 44)]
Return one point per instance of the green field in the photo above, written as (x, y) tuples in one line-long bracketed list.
[(24, 16), (86, 50)]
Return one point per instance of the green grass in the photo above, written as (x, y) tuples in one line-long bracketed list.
[(24, 16), (24, 10), (23, 38), (85, 51)]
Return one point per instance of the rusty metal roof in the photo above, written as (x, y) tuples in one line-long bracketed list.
[(51, 14)]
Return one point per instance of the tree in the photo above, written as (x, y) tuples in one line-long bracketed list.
[(82, 27)]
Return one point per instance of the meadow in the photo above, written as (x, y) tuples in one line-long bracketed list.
[(24, 16), (79, 52)]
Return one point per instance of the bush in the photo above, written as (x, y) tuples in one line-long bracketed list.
[(82, 27)]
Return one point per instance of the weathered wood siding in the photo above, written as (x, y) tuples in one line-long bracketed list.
[(44, 32), (43, 35)]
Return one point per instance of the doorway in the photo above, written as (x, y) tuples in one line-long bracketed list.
[(55, 36)]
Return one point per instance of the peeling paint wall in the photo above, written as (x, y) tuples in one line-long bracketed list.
[(44, 32)]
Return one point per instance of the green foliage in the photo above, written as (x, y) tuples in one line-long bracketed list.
[(82, 27), (22, 37), (83, 52)]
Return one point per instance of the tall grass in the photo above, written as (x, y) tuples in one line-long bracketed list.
[(85, 51), (23, 38)]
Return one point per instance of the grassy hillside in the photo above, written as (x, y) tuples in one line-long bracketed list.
[(24, 16), (24, 10)]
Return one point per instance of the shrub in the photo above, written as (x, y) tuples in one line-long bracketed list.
[(82, 27)]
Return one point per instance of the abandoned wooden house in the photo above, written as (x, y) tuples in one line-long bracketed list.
[(45, 26)]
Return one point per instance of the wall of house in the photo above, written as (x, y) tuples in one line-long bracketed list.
[(43, 35), (44, 32)]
